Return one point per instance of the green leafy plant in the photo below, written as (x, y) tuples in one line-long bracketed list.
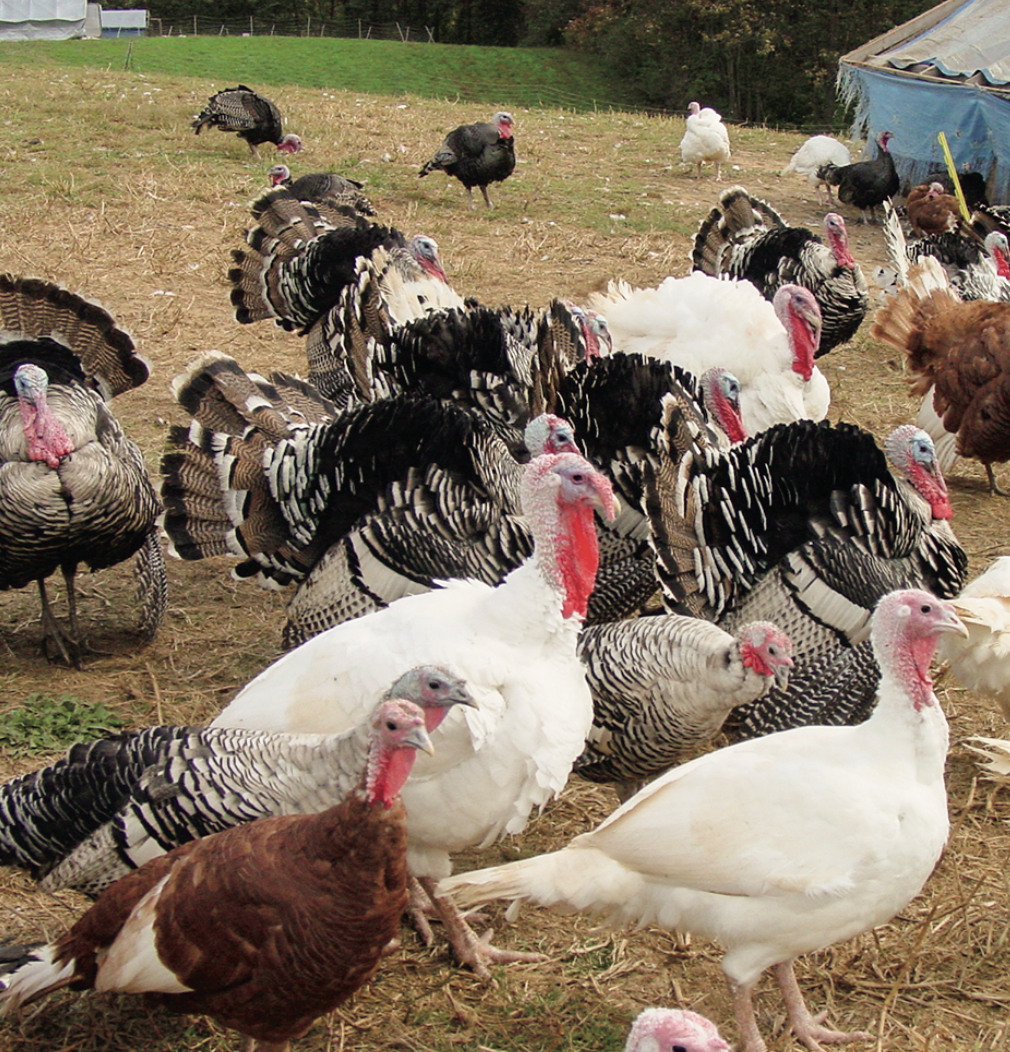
[(45, 723)]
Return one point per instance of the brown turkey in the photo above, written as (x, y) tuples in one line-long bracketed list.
[(931, 210), (865, 184), (477, 154), (960, 352), (251, 116), (73, 487), (265, 926)]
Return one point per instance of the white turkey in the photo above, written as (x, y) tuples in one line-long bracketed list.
[(251, 116), (73, 487), (699, 322), (705, 141), (514, 645), (982, 661), (224, 925), (322, 187), (774, 847), (477, 155), (673, 1030), (114, 803), (813, 155), (663, 686), (805, 525), (744, 238)]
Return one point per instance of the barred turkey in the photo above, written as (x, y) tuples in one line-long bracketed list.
[(251, 116), (746, 239), (75, 828), (220, 924), (705, 141), (322, 187), (73, 487), (477, 155), (806, 525)]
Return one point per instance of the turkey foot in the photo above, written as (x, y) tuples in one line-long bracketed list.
[(65, 643), (806, 1027), (470, 949)]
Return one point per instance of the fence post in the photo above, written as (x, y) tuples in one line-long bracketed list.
[(251, 31), (194, 26), (431, 35), (308, 26)]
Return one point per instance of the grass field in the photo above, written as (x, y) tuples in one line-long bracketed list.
[(104, 188), (496, 76)]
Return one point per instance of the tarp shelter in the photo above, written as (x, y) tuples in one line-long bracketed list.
[(124, 23), (42, 19), (947, 70)]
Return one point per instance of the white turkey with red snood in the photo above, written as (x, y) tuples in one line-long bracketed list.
[(700, 322), (778, 846), (705, 140), (813, 155), (514, 645), (805, 525)]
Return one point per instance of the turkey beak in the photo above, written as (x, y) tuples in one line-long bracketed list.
[(950, 623), (418, 738), (605, 502), (782, 675), (461, 696)]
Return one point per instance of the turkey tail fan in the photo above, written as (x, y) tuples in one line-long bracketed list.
[(737, 212), (897, 247), (38, 308), (737, 513), (46, 813), (152, 585)]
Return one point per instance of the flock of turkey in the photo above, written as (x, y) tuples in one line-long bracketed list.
[(522, 541)]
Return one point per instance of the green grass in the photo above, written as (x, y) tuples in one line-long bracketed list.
[(45, 724), (497, 76)]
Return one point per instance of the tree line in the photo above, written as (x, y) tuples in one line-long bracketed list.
[(762, 61)]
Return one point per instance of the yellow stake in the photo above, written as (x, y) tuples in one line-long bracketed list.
[(953, 175)]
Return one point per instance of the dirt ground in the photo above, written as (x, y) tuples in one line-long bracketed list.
[(143, 220)]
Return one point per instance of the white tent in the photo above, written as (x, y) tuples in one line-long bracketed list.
[(947, 70), (42, 19)]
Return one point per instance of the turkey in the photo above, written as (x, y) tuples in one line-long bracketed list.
[(515, 645), (112, 804), (774, 847), (477, 155), (982, 661), (931, 210), (250, 116), (699, 322), (673, 1030), (958, 356), (705, 140), (812, 156), (223, 925), (73, 487), (973, 186), (358, 520), (663, 685), (866, 184), (804, 524), (320, 187), (746, 239)]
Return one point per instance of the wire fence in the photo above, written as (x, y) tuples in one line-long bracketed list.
[(291, 27)]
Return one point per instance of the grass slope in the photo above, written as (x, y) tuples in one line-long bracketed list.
[(498, 76)]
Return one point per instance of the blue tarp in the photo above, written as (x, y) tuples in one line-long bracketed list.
[(975, 121)]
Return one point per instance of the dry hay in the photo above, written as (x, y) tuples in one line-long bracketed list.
[(143, 219)]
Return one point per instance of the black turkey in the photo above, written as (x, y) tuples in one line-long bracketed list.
[(866, 184), (251, 116), (319, 187), (746, 239), (477, 154), (73, 487)]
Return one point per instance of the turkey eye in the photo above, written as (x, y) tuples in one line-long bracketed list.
[(390, 725), (578, 479), (679, 1048), (773, 650), (925, 608), (433, 684)]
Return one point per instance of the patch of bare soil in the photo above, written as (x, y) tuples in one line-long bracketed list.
[(147, 230)]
